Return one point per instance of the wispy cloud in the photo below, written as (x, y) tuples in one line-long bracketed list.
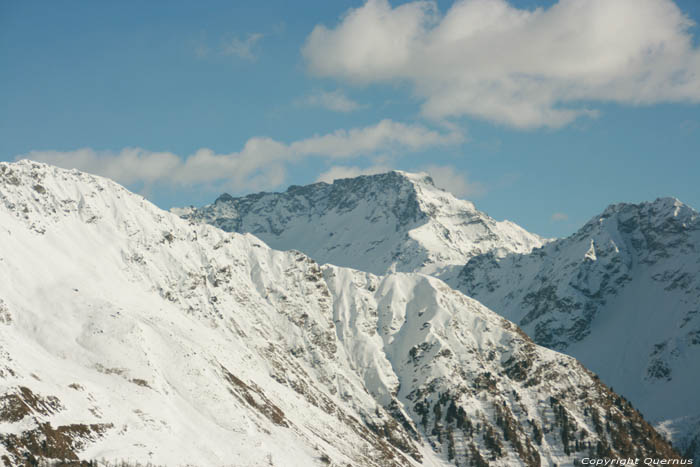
[(455, 181), (198, 45), (336, 101), (524, 68), (340, 171), (559, 217), (242, 48), (260, 164), (385, 136)]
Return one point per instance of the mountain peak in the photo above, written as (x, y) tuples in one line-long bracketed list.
[(389, 221), (418, 177), (660, 220), (224, 198), (621, 295), (666, 207), (393, 179)]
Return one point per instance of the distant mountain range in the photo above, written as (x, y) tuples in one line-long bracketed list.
[(622, 294), (394, 221), (129, 333)]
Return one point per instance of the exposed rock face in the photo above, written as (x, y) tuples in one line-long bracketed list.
[(392, 221), (128, 333), (622, 295)]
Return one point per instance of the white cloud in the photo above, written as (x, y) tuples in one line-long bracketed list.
[(455, 181), (525, 68), (260, 164), (242, 48), (559, 216), (336, 101), (386, 136), (340, 171), (130, 165), (135, 165)]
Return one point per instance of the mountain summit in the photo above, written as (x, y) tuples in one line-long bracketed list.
[(392, 221), (129, 333), (622, 295)]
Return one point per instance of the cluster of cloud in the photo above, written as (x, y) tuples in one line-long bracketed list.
[(242, 48), (260, 164), (524, 68), (336, 101), (343, 171)]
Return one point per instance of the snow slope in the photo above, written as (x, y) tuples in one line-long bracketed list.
[(376, 223), (129, 333), (622, 295)]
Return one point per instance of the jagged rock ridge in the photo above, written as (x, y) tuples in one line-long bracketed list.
[(376, 223), (622, 295), (127, 332)]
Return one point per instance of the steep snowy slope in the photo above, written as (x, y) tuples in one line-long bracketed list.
[(622, 295), (396, 220), (126, 332)]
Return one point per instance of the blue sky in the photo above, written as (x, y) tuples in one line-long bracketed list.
[(541, 112)]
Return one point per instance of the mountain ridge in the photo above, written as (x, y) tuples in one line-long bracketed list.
[(555, 289), (407, 223), (621, 295), (127, 332)]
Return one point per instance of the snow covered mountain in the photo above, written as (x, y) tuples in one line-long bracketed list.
[(622, 295), (376, 223), (129, 333)]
